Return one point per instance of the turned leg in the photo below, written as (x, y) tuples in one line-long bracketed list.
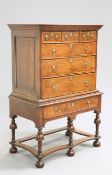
[(97, 121), (67, 132), (13, 126), (40, 137), (70, 129)]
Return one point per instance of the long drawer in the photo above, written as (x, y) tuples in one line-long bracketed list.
[(55, 110), (50, 51), (53, 87), (59, 67)]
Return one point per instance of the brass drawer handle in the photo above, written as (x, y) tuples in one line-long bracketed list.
[(88, 34), (53, 68), (86, 49), (70, 34), (46, 37), (56, 37), (84, 36), (56, 109), (66, 36), (88, 102), (53, 50), (54, 88), (86, 64), (86, 82), (72, 104), (92, 35)]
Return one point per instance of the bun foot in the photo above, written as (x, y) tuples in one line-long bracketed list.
[(96, 143), (13, 150), (67, 133), (70, 153), (39, 164)]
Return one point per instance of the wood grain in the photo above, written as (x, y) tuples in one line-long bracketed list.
[(78, 65)]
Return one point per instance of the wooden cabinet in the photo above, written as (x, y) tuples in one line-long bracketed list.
[(53, 76)]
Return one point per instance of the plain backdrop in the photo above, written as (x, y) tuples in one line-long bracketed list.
[(88, 160)]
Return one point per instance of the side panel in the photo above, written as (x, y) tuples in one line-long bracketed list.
[(26, 65)]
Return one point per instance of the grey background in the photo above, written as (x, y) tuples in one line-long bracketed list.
[(88, 160)]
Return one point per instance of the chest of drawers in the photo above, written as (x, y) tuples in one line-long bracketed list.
[(54, 76)]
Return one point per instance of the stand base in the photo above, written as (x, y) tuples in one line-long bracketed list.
[(70, 152)]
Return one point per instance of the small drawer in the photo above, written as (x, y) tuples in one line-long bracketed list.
[(83, 49), (50, 51), (70, 36), (87, 103), (49, 37), (54, 110), (88, 36), (59, 67)]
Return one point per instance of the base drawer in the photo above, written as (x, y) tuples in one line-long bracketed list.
[(75, 106)]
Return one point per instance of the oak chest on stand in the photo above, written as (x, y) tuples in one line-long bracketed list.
[(54, 76)]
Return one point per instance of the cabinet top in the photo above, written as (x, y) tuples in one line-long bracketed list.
[(54, 27)]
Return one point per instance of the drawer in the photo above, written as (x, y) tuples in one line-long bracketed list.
[(49, 51), (70, 36), (82, 49), (59, 67), (47, 37), (88, 36), (53, 87), (87, 103), (55, 110)]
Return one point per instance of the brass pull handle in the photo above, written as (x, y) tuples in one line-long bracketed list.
[(53, 51), (88, 34), (56, 36), (92, 35), (66, 36), (86, 64), (70, 34), (53, 67), (56, 109), (84, 36), (46, 37), (72, 104), (86, 49), (88, 102), (86, 82), (54, 88)]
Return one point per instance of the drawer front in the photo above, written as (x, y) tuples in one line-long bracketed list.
[(87, 103), (47, 37), (59, 67), (83, 49), (88, 36), (49, 51), (70, 36), (67, 85), (70, 107)]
